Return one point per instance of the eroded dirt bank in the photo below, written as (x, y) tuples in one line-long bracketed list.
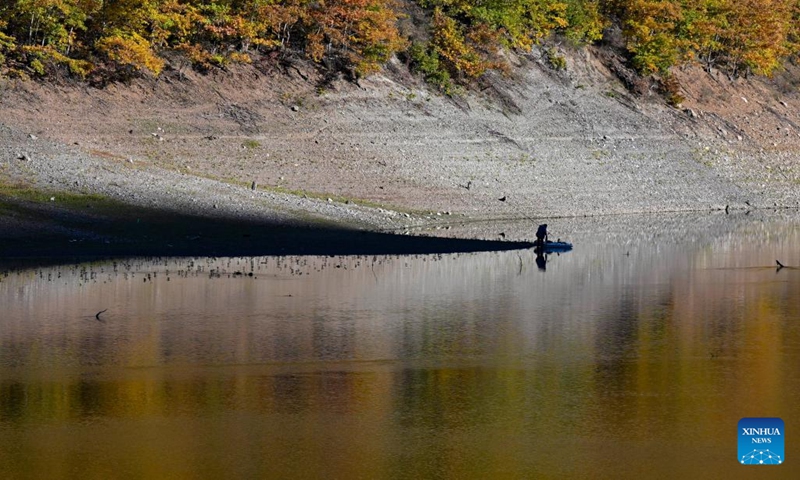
[(388, 154)]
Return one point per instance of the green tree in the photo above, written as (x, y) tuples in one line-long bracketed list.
[(585, 23), (7, 44)]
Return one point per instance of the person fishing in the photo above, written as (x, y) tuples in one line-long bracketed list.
[(541, 235)]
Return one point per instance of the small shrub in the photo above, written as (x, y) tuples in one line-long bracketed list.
[(238, 57), (219, 60), (556, 60), (37, 66), (425, 60), (670, 88)]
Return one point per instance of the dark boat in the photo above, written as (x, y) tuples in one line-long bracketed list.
[(553, 247)]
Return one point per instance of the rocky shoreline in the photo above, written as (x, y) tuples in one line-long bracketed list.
[(386, 154)]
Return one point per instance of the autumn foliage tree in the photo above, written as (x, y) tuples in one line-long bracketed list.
[(131, 35), (464, 38), (357, 34), (757, 38), (738, 36)]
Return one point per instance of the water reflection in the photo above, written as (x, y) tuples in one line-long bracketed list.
[(634, 356)]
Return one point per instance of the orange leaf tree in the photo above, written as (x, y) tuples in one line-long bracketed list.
[(356, 34)]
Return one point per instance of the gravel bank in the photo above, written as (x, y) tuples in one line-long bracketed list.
[(387, 154)]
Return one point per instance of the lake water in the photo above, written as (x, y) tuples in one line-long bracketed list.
[(632, 356)]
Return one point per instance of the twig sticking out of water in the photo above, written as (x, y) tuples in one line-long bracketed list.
[(780, 265), (98, 315)]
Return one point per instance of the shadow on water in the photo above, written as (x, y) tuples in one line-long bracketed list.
[(637, 354), (68, 235)]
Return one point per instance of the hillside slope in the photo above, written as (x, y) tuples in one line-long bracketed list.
[(548, 143)]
